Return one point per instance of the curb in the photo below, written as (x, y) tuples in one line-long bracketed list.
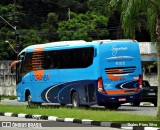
[(70, 120), (79, 121)]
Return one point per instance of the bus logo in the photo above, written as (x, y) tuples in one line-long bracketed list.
[(40, 77), (116, 49)]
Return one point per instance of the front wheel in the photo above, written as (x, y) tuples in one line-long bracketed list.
[(75, 100), (30, 103), (29, 99)]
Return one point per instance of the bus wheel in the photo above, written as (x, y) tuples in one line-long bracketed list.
[(30, 103), (75, 99), (112, 106), (62, 105), (136, 103), (29, 99)]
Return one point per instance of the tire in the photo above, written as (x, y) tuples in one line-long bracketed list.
[(136, 104), (75, 100), (112, 106), (62, 105), (155, 104), (30, 103), (29, 99), (85, 106)]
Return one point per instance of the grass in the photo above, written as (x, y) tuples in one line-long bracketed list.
[(92, 114)]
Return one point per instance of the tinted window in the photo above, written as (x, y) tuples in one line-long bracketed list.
[(27, 67), (69, 58), (19, 67), (58, 59)]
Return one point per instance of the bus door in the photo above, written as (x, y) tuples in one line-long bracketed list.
[(19, 68), (19, 72)]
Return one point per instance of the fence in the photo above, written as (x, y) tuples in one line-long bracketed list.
[(7, 80)]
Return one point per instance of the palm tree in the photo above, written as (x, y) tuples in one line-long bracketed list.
[(132, 10)]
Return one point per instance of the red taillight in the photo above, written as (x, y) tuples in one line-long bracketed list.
[(100, 86), (140, 81)]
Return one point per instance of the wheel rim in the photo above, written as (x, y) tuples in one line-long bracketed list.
[(29, 99), (75, 100)]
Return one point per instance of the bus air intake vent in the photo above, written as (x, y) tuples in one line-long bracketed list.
[(120, 70)]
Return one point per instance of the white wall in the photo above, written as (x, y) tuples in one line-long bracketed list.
[(7, 80)]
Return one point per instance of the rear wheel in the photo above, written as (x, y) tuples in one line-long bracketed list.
[(75, 100), (112, 106), (137, 103), (63, 105)]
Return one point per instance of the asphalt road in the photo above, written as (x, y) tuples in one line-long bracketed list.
[(141, 110), (149, 110)]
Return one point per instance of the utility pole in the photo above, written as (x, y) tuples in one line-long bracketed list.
[(69, 14), (16, 32), (16, 29)]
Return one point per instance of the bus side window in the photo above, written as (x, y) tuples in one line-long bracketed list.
[(69, 58), (27, 64)]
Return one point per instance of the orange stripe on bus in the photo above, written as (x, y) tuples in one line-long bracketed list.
[(121, 91), (38, 72), (114, 78)]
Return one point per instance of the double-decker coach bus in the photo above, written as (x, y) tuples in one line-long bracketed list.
[(107, 73)]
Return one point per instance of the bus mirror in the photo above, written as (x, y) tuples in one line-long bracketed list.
[(12, 70), (12, 66)]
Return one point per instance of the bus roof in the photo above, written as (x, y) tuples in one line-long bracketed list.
[(75, 43)]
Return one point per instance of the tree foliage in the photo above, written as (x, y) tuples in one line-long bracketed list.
[(132, 13), (42, 21), (83, 26), (104, 7)]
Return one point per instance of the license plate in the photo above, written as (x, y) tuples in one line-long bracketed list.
[(122, 99), (151, 94)]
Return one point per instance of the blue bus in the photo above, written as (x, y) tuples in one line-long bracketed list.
[(103, 72)]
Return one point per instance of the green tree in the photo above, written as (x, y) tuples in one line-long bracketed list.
[(49, 29), (77, 6), (7, 32), (31, 37), (104, 7), (83, 27), (132, 10), (6, 52), (107, 8)]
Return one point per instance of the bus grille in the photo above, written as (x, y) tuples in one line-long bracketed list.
[(120, 70)]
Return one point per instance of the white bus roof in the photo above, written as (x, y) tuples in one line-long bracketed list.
[(72, 43)]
